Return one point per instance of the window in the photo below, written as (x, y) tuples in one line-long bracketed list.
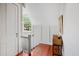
[(26, 23)]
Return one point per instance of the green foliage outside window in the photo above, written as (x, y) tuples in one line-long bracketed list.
[(27, 23)]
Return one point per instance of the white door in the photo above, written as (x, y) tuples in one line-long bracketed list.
[(2, 30), (12, 40)]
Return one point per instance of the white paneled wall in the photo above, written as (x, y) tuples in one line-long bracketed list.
[(45, 34), (24, 44), (42, 34), (39, 34), (36, 35), (71, 30)]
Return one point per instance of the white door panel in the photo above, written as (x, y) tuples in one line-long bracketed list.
[(2, 30), (11, 29)]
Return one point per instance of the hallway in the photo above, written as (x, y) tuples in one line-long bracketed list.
[(39, 29)]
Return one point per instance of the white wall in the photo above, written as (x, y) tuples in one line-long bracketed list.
[(46, 16), (43, 13), (36, 35), (71, 30)]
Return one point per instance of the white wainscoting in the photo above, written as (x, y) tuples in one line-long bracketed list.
[(41, 34)]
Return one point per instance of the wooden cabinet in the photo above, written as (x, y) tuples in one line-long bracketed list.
[(57, 45)]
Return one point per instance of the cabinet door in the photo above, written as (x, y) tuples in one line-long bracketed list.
[(11, 29)]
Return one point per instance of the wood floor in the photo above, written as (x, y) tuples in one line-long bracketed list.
[(40, 50)]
